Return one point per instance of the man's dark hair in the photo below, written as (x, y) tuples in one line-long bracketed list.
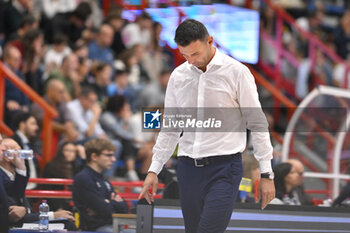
[(112, 16), (116, 103), (86, 91), (27, 19), (21, 117), (82, 11), (189, 31), (60, 38), (97, 146)]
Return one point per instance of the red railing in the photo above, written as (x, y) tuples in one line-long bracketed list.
[(49, 112), (126, 194), (314, 45), (274, 70)]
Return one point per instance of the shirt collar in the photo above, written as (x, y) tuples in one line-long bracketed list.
[(217, 59), (23, 137), (8, 173)]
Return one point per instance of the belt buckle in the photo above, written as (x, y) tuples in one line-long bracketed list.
[(196, 162)]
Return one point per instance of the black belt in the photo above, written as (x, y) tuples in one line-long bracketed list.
[(201, 162)]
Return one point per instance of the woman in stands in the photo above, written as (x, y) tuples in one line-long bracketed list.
[(286, 180), (68, 161)]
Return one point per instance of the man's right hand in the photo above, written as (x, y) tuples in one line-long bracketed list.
[(18, 162), (16, 213), (96, 109), (13, 105), (150, 181)]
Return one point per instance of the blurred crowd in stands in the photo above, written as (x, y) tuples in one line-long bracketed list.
[(99, 71), (327, 21)]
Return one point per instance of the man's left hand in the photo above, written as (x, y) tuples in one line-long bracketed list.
[(266, 192), (63, 214)]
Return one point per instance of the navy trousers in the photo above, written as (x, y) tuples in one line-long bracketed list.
[(208, 193)]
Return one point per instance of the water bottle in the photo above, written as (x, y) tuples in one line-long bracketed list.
[(44, 216), (24, 154)]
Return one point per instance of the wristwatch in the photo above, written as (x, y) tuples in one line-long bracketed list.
[(268, 175)]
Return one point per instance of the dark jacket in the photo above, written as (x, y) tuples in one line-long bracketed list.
[(90, 192), (15, 191), (16, 196), (4, 206)]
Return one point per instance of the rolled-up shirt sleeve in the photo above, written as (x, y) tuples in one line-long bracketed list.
[(166, 141)]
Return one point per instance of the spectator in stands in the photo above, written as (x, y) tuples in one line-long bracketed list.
[(67, 162), (68, 75), (4, 205), (101, 79), (115, 121), (20, 210), (299, 191), (339, 74), (129, 60), (156, 56), (26, 128), (81, 49), (154, 93), (13, 12), (286, 179), (32, 45), (117, 22), (120, 84), (55, 95), (93, 195), (251, 174), (51, 8), (138, 32), (85, 113), (84, 68), (13, 173), (28, 22), (99, 50), (69, 23), (59, 50), (345, 193), (342, 36), (15, 100)]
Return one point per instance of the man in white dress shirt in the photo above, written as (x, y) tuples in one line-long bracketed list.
[(210, 166)]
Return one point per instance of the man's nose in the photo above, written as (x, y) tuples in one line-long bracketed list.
[(190, 61)]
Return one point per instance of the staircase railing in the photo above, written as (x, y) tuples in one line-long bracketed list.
[(49, 112), (314, 45)]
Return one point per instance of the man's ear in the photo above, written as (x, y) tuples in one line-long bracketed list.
[(210, 40), (93, 156)]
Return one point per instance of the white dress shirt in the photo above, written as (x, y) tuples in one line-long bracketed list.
[(226, 83), (31, 163), (81, 119)]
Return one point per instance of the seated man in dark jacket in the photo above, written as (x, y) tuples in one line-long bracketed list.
[(93, 195), (14, 177), (4, 205)]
